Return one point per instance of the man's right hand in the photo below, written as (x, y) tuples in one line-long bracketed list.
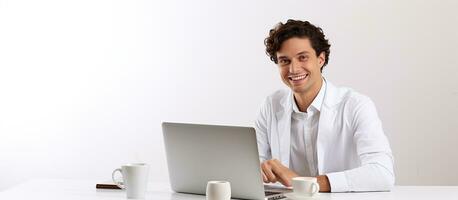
[(273, 171)]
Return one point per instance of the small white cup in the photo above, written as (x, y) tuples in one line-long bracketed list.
[(135, 179), (218, 190), (305, 186)]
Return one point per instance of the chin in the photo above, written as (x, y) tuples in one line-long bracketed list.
[(299, 89)]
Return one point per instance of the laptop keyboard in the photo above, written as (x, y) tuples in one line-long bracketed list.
[(268, 193)]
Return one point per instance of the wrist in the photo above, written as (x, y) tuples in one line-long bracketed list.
[(323, 181)]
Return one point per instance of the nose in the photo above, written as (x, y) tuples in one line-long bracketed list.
[(295, 66)]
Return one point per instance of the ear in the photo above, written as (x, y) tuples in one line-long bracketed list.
[(321, 59)]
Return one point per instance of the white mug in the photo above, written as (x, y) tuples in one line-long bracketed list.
[(135, 179), (218, 190), (305, 186)]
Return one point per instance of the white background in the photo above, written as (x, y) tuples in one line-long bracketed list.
[(84, 85)]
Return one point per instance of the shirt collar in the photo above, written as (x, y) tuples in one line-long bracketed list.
[(316, 103)]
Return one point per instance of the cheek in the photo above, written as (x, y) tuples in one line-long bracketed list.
[(313, 66), (284, 72)]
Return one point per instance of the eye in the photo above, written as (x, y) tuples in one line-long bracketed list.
[(283, 62), (303, 58)]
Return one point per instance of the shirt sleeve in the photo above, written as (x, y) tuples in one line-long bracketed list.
[(260, 126), (376, 171)]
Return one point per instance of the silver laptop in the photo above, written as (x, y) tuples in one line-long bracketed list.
[(199, 153)]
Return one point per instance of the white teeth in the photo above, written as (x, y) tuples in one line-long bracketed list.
[(295, 78)]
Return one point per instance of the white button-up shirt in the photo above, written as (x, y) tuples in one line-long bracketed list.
[(351, 147), (304, 130)]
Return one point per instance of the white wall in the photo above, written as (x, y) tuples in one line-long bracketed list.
[(85, 84)]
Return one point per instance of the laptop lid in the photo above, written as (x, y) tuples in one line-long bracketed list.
[(198, 153)]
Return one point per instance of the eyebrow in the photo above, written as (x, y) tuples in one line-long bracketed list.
[(300, 53), (282, 57)]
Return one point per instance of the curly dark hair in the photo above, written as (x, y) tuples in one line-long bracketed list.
[(296, 28)]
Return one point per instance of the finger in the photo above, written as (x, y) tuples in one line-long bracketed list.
[(276, 166), (282, 177), (271, 178), (264, 177), (268, 172), (281, 173), (284, 180)]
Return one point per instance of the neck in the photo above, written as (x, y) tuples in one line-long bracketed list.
[(304, 99)]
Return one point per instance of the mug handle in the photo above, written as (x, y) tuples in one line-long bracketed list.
[(315, 188), (118, 183)]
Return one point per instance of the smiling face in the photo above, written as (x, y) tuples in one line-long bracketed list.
[(299, 65)]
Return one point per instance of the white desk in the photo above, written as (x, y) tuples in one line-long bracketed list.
[(85, 190)]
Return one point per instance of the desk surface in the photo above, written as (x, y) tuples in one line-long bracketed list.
[(51, 189)]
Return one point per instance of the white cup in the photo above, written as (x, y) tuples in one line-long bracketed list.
[(305, 186), (218, 190), (135, 179)]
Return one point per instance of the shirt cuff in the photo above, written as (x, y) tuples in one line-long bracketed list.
[(338, 182)]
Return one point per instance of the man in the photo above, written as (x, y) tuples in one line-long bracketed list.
[(315, 128)]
